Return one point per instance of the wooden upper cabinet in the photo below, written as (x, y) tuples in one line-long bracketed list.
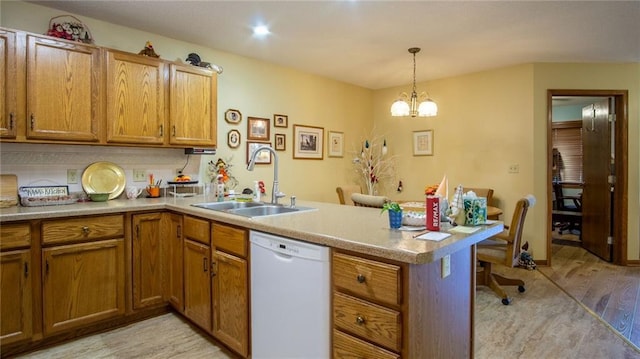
[(8, 106), (135, 98), (193, 106), (63, 90)]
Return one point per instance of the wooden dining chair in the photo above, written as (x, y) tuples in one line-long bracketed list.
[(344, 193), (365, 200), (504, 249)]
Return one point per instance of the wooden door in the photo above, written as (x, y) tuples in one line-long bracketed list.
[(231, 302), (197, 283), (597, 167), (176, 262), (63, 90), (8, 83), (193, 109), (82, 284), (15, 299), (147, 260), (135, 98)]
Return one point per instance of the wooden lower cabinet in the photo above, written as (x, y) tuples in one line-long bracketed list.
[(348, 347), (82, 283), (197, 283), (175, 260), (15, 297), (148, 260)]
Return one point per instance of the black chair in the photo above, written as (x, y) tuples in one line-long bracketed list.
[(567, 210)]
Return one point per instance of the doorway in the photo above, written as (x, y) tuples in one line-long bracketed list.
[(604, 186)]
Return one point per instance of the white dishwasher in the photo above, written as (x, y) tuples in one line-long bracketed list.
[(290, 299)]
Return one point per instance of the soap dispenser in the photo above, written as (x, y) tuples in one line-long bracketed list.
[(256, 191), (219, 188)]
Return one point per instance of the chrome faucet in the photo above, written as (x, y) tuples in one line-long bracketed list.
[(275, 192)]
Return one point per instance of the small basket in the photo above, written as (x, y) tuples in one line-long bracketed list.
[(69, 27)]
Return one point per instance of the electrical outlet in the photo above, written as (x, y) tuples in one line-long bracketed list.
[(514, 168), (139, 175), (446, 265), (72, 176)]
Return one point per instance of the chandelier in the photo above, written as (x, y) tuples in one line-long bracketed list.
[(406, 106)]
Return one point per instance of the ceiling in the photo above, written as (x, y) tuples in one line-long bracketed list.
[(365, 42)]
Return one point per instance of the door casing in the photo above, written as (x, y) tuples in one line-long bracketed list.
[(620, 209)]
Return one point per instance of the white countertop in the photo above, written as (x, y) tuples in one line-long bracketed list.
[(359, 229)]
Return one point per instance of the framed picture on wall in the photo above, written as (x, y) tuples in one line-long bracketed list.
[(335, 144), (281, 121), (308, 142), (281, 143), (233, 139), (258, 129), (233, 116), (264, 157), (423, 143)]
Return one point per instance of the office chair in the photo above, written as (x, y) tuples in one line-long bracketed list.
[(503, 248), (344, 193), (365, 200)]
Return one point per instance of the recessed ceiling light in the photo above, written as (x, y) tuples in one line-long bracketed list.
[(261, 30)]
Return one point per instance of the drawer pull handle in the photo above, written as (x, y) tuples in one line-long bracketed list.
[(360, 320), (85, 230), (361, 278)]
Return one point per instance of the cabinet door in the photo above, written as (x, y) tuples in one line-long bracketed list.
[(63, 90), (176, 263), (230, 302), (197, 284), (147, 260), (135, 98), (193, 109), (82, 284), (8, 106), (15, 297)]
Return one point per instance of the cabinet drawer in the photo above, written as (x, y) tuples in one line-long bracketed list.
[(197, 229), (348, 347), (230, 239), (368, 278), (15, 235), (82, 229), (379, 324)]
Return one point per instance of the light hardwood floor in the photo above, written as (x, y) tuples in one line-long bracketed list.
[(609, 291), (543, 322)]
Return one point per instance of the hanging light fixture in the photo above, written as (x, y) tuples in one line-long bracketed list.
[(406, 106)]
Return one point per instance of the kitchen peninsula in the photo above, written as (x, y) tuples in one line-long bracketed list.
[(393, 296)]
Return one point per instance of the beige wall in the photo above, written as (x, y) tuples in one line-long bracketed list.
[(487, 121)]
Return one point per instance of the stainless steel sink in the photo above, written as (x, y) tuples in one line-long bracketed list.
[(251, 209), (225, 206)]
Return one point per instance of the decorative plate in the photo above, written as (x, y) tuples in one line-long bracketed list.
[(104, 177)]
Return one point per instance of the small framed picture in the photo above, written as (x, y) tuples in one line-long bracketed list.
[(281, 142), (233, 139), (335, 144), (308, 142), (280, 121), (233, 116), (264, 157), (258, 129), (423, 143)]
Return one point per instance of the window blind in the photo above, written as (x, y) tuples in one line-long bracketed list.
[(567, 139)]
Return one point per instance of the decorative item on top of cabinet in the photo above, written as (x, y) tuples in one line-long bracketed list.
[(63, 90), (193, 106), (72, 29), (148, 50), (16, 293), (8, 74), (135, 99)]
